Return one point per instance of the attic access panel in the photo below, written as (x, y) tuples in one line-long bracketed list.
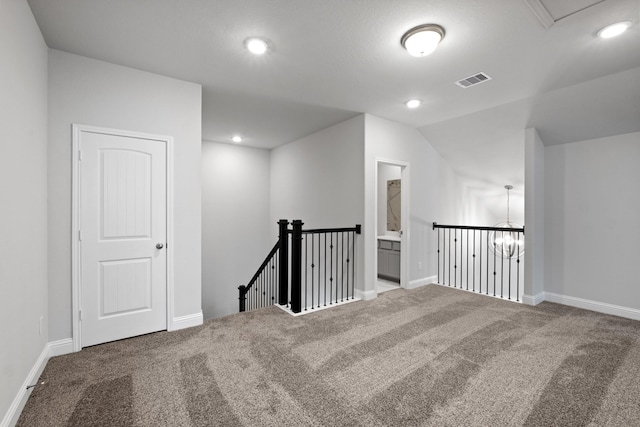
[(559, 9), (549, 12)]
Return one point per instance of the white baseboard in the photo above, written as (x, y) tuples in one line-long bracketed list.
[(533, 299), (12, 415), (60, 347), (366, 295), (422, 282), (188, 321), (65, 346), (600, 307)]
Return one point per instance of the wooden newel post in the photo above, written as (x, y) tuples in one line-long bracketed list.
[(242, 299), (283, 263), (296, 266)]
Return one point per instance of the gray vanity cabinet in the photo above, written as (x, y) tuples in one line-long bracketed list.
[(389, 260)]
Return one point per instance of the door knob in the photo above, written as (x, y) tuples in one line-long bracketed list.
[(159, 246)]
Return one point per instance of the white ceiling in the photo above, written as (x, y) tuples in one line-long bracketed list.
[(333, 59)]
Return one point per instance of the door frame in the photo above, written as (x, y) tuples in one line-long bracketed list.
[(76, 290), (405, 206)]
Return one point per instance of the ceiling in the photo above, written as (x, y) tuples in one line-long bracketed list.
[(334, 59)]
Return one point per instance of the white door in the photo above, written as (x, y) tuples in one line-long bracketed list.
[(123, 229)]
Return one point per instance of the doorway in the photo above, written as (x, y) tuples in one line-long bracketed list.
[(121, 240), (392, 224)]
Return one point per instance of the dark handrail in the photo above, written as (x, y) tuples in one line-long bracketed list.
[(262, 266), (472, 227), (244, 290), (357, 229)]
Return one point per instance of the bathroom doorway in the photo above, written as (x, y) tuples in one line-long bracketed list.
[(391, 225)]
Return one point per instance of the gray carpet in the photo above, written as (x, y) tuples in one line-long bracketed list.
[(433, 356)]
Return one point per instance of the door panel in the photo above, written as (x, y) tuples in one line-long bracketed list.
[(122, 217), (126, 194), (125, 286)]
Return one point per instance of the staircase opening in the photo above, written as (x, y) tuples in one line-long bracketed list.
[(307, 270)]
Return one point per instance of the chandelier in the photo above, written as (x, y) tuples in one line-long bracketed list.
[(507, 244)]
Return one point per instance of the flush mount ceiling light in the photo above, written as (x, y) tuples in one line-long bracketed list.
[(423, 39), (613, 30), (414, 103), (237, 138), (256, 45)]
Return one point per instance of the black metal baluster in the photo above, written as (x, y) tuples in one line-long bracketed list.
[(325, 269), (455, 258), (449, 281), (467, 259), (510, 271), (305, 270), (494, 267), (518, 272), (342, 264), (480, 265), (348, 262), (474, 260), (313, 266), (438, 246), (488, 243), (502, 267), (461, 257), (331, 271), (353, 265), (319, 269)]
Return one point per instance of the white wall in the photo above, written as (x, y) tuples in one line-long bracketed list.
[(23, 188), (591, 214), (487, 205), (435, 192), (236, 233), (90, 92), (319, 179), (535, 202)]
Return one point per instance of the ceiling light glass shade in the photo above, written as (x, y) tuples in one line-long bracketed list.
[(414, 103), (256, 45), (237, 138), (614, 29), (422, 40), (507, 244)]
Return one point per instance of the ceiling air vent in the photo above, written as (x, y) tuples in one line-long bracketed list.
[(476, 79)]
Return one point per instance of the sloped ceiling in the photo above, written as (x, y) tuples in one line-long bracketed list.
[(333, 59)]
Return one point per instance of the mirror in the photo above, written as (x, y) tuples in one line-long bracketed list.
[(394, 204)]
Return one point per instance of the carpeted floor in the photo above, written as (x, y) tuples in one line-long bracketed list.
[(427, 357)]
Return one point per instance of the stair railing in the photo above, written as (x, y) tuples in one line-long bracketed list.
[(322, 266), (484, 260), (266, 286)]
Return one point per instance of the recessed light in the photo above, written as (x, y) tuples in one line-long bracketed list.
[(256, 45), (613, 30), (414, 103), (423, 39), (236, 138)]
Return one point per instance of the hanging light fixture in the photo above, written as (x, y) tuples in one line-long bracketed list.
[(507, 244), (423, 39)]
